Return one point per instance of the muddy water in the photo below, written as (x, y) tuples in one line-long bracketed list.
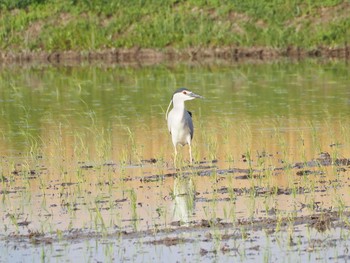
[(87, 149)]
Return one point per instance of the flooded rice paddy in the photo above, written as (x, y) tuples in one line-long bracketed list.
[(87, 163)]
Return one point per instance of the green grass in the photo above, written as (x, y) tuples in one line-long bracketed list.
[(50, 25)]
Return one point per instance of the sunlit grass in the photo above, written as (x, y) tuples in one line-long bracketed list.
[(81, 25)]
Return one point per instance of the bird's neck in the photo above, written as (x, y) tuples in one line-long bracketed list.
[(179, 104)]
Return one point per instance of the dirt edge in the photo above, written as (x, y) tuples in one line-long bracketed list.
[(170, 54)]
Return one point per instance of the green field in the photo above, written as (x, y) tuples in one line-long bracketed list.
[(94, 25)]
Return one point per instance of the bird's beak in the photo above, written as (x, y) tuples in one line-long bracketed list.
[(194, 95)]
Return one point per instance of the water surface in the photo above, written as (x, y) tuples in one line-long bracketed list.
[(80, 145)]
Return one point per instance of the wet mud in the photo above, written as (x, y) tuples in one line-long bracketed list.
[(206, 233), (179, 233)]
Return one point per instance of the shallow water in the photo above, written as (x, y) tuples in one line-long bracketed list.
[(88, 148)]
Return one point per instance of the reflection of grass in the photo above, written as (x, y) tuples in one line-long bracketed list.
[(81, 188), (87, 157)]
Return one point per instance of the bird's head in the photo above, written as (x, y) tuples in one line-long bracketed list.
[(180, 96), (184, 94)]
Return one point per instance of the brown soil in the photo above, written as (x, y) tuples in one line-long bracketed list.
[(321, 220), (153, 56)]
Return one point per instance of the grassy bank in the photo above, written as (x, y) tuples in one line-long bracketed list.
[(52, 25)]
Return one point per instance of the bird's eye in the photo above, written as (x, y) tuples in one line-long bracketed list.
[(184, 92)]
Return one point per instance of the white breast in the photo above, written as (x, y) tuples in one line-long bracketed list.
[(179, 127)]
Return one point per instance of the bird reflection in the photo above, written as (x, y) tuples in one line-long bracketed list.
[(184, 204)]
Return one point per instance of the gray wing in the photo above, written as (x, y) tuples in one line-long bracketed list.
[(188, 117)]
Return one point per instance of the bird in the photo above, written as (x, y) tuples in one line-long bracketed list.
[(180, 124)]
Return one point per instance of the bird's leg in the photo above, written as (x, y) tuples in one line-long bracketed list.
[(175, 156), (190, 150)]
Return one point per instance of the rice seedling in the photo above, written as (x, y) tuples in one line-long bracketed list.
[(133, 206), (100, 225), (231, 213)]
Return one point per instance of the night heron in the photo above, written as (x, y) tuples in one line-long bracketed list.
[(180, 123)]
